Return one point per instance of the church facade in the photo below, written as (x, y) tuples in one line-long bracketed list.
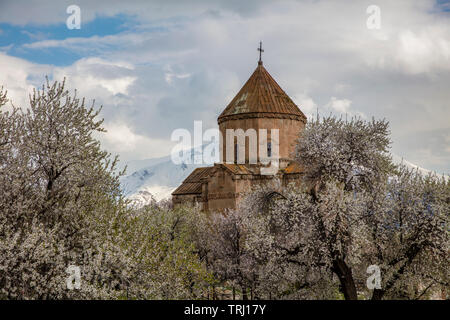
[(260, 104)]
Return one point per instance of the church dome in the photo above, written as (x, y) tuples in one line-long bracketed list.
[(261, 97)]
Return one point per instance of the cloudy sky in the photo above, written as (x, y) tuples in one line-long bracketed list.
[(159, 65)]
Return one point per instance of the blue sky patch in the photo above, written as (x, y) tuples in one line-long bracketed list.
[(443, 5), (12, 38)]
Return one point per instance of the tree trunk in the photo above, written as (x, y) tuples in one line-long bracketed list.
[(377, 294), (244, 293), (345, 276)]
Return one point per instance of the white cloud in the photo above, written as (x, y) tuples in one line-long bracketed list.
[(339, 105), (98, 77), (120, 139), (89, 44), (116, 85), (50, 12), (424, 52), (306, 104), (170, 75), (17, 75)]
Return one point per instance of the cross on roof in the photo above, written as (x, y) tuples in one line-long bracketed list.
[(260, 49)]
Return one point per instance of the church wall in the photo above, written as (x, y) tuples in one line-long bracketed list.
[(246, 184), (226, 190), (288, 133), (221, 190), (187, 199)]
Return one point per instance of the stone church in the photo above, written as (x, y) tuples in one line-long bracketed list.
[(260, 104)]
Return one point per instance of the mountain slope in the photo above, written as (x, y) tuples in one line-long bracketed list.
[(157, 178)]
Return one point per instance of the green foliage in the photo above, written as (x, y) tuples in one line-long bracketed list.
[(61, 205), (161, 240)]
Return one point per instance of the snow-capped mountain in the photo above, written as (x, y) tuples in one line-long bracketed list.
[(399, 160), (155, 179)]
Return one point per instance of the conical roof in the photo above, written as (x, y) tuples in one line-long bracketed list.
[(261, 96)]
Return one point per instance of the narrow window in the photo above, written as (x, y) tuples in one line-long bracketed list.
[(221, 178), (269, 149), (235, 153)]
